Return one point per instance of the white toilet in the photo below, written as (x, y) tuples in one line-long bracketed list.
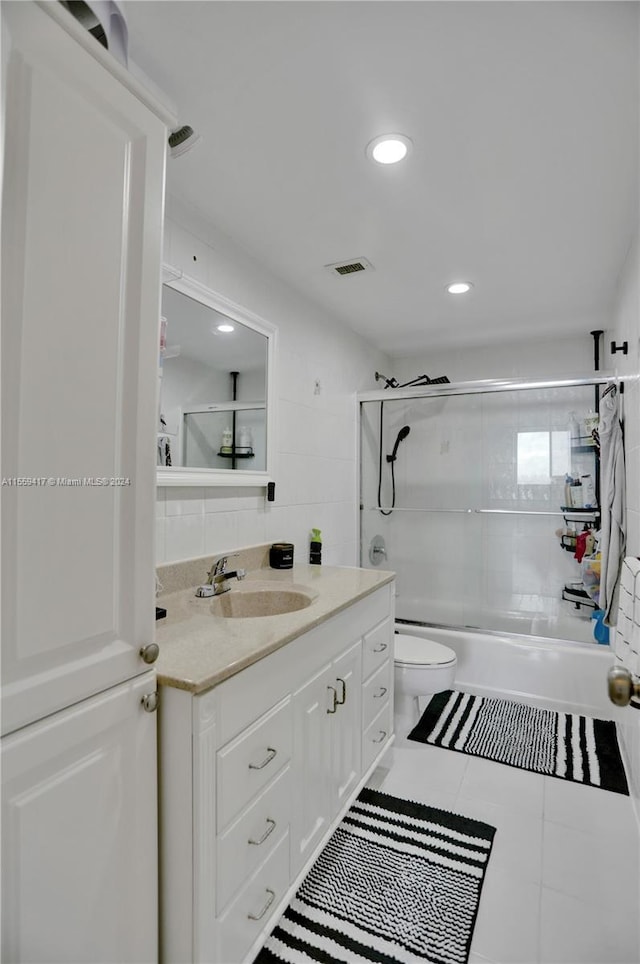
[(422, 667)]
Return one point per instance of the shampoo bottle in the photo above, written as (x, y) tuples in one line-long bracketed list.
[(315, 548)]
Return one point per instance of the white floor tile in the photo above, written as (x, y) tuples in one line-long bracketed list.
[(508, 919), (590, 866), (505, 786), (578, 932), (442, 769), (517, 845), (401, 781), (587, 808)]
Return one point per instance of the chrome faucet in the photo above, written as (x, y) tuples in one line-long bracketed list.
[(217, 578)]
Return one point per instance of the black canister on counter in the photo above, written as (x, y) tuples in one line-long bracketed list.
[(281, 555)]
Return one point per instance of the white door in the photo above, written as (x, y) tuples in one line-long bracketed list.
[(79, 833), (346, 737), (81, 254), (311, 769)]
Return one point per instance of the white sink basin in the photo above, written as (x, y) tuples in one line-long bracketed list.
[(262, 601)]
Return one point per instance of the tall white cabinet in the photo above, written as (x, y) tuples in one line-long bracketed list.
[(82, 207)]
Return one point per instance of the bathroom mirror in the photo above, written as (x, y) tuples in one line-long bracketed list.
[(215, 375)]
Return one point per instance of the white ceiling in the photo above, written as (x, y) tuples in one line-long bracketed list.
[(523, 177)]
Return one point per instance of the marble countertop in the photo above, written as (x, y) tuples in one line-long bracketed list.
[(199, 650)]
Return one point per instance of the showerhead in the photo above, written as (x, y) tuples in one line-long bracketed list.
[(388, 382), (402, 434), (182, 140)]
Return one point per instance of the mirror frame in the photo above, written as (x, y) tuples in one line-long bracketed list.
[(183, 475)]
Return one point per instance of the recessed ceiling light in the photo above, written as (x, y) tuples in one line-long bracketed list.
[(225, 328), (388, 148), (459, 287)]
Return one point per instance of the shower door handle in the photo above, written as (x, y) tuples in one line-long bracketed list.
[(622, 686)]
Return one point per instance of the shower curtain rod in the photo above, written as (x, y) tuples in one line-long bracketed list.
[(578, 515), (484, 386)]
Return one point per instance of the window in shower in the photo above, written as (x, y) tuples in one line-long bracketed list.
[(543, 457)]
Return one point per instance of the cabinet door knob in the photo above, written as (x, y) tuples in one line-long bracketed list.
[(150, 653), (270, 900), (344, 691), (380, 649), (381, 692), (269, 757), (150, 702), (271, 826), (383, 733)]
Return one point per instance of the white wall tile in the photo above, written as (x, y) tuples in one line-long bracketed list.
[(184, 501), (161, 552), (251, 527), (220, 531), (184, 537)]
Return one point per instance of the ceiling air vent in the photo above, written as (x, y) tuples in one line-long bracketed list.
[(355, 266)]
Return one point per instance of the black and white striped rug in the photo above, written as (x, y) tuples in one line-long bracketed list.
[(397, 883), (562, 745)]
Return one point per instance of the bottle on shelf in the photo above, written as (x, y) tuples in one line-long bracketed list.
[(227, 440)]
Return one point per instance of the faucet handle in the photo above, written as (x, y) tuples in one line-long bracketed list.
[(241, 573)]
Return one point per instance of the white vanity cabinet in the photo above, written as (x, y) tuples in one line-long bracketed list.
[(257, 772)]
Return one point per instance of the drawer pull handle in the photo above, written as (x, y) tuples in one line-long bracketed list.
[(380, 649), (269, 757), (383, 733), (270, 900), (271, 826), (381, 692), (344, 691), (335, 699)]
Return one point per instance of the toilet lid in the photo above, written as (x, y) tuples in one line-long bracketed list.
[(417, 651)]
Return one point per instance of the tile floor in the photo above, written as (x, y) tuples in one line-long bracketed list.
[(563, 883)]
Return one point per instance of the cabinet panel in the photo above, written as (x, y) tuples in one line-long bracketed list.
[(376, 735), (249, 762), (375, 693), (81, 236), (346, 737), (311, 766), (243, 922), (79, 839), (252, 837), (377, 647)]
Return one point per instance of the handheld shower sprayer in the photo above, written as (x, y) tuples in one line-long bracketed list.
[(402, 434)]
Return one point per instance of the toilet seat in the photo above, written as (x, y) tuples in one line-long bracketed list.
[(418, 651)]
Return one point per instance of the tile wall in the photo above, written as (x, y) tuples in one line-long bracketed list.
[(315, 467)]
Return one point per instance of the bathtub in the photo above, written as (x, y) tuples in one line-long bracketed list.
[(557, 675)]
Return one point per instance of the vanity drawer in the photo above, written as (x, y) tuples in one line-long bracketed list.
[(250, 912), (251, 760), (375, 693), (376, 735), (251, 838), (377, 647)]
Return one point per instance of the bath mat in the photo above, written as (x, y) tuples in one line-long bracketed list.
[(397, 882), (562, 745)]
